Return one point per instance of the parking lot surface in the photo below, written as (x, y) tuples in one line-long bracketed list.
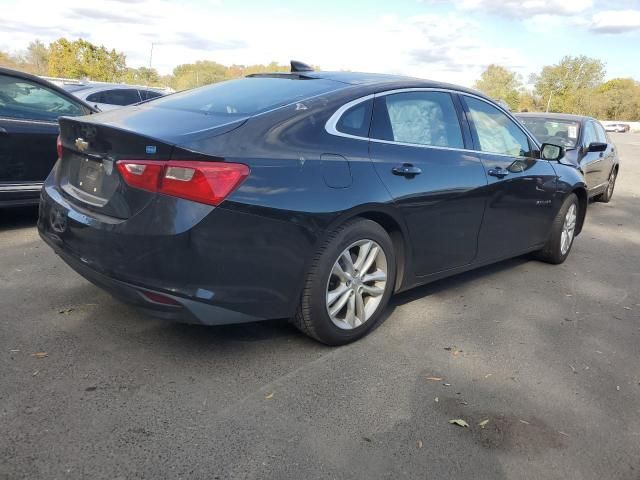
[(542, 362)]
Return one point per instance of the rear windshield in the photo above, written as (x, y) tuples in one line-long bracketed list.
[(246, 96), (559, 132)]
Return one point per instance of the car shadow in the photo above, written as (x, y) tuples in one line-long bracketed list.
[(18, 217)]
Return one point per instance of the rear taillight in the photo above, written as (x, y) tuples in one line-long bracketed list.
[(59, 146), (204, 182)]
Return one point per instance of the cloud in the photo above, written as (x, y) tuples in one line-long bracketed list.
[(200, 42), (522, 9), (615, 21), (96, 14)]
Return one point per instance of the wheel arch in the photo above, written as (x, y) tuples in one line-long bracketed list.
[(583, 202), (392, 224)]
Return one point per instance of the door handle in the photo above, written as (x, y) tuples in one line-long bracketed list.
[(406, 170), (3, 131), (498, 172)]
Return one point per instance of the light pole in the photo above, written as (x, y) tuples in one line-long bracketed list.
[(151, 55)]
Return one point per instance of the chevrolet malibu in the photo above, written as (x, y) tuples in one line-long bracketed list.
[(307, 195)]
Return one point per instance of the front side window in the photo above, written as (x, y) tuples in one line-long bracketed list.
[(496, 132), (422, 118), (589, 134), (600, 133), (23, 99)]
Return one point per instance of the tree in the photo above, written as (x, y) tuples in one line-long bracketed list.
[(563, 85), (37, 58), (79, 58), (141, 76), (500, 84)]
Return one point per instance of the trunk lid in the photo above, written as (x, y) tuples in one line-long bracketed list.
[(87, 173)]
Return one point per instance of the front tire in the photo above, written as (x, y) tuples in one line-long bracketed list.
[(563, 231), (606, 196), (349, 284)]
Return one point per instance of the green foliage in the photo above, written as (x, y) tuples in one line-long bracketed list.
[(500, 84), (141, 76), (565, 85), (79, 59), (192, 75)]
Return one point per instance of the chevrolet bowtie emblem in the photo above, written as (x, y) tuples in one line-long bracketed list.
[(81, 145)]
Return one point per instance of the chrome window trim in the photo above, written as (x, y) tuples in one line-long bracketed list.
[(330, 125)]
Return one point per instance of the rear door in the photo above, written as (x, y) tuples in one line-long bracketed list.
[(28, 129), (521, 190), (418, 149)]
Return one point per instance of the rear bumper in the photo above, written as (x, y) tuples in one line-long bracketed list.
[(220, 265), (186, 310)]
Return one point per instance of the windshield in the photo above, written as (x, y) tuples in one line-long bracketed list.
[(559, 132), (246, 96)]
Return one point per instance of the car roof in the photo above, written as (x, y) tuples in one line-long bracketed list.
[(554, 116), (112, 86), (45, 83), (384, 81)]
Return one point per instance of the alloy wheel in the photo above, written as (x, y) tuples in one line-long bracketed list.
[(356, 284), (568, 229)]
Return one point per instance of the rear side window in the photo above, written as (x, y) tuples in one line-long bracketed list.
[(149, 94), (496, 132), (421, 118), (23, 99), (246, 96), (356, 120)]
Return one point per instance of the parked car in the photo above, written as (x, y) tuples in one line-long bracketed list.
[(310, 195), (617, 127), (29, 111), (109, 96), (587, 145)]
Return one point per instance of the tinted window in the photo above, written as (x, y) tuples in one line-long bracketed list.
[(589, 134), (26, 100), (424, 118), (550, 130), (119, 96), (355, 121), (149, 94), (496, 132), (246, 96), (600, 133)]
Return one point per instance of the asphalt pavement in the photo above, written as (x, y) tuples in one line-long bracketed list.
[(542, 362)]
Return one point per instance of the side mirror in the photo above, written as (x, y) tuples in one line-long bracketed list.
[(597, 147), (549, 151)]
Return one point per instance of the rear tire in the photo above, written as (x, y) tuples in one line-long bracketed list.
[(562, 235), (606, 196), (349, 284)]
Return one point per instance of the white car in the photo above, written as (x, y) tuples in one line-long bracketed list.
[(617, 127), (110, 96)]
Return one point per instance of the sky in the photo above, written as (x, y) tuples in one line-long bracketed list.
[(442, 40)]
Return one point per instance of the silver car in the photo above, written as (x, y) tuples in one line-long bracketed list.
[(110, 96)]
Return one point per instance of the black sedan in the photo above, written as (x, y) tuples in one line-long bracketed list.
[(587, 146), (29, 111), (311, 195)]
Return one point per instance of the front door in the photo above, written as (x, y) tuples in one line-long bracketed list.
[(521, 190), (418, 149)]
